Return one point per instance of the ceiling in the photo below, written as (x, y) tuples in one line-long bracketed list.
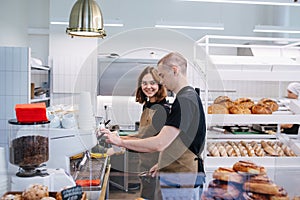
[(238, 19)]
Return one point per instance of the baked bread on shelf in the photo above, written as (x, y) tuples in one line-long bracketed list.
[(245, 102), (249, 149), (225, 101), (261, 109), (269, 102), (217, 109), (239, 109)]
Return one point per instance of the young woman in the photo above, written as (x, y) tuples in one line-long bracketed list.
[(152, 95)]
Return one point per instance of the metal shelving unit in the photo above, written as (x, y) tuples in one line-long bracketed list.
[(235, 58), (48, 94)]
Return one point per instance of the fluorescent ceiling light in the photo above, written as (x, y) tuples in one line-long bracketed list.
[(254, 2), (198, 26), (108, 24), (275, 29)]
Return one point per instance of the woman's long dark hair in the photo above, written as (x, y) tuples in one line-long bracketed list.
[(161, 93)]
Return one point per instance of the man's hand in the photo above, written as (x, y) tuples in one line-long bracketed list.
[(112, 137), (154, 170)]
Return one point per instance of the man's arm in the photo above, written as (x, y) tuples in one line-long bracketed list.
[(151, 144)]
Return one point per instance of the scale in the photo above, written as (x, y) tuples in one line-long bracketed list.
[(39, 154)]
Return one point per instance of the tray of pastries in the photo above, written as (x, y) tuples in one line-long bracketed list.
[(39, 192), (244, 180), (253, 148), (242, 105)]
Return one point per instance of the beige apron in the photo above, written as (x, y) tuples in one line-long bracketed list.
[(177, 168), (147, 160), (146, 129), (178, 163)]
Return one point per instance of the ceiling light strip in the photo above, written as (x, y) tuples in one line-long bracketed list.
[(275, 29), (219, 28), (253, 2)]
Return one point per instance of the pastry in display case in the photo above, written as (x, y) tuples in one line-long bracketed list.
[(244, 180)]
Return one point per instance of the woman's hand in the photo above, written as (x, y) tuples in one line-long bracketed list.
[(154, 170)]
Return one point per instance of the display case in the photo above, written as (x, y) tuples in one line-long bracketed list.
[(252, 67)]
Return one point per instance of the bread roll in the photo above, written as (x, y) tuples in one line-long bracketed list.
[(249, 148), (222, 150), (229, 150), (268, 148), (35, 192), (221, 99), (257, 149), (213, 150), (245, 102), (217, 109), (248, 167), (276, 148), (235, 148), (287, 151), (225, 101), (262, 187), (239, 109), (261, 109), (242, 149), (269, 102), (227, 174), (223, 190), (253, 196)]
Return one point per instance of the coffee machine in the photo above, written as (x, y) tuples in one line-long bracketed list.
[(39, 154)]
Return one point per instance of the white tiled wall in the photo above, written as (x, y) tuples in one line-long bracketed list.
[(14, 85), (72, 75)]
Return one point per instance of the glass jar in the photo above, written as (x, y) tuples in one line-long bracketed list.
[(28, 144)]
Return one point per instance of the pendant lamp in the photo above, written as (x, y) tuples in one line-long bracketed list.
[(86, 20)]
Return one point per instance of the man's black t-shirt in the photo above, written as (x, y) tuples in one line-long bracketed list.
[(187, 114)]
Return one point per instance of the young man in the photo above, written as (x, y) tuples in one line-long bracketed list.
[(181, 140)]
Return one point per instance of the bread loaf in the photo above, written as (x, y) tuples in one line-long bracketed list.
[(245, 102), (224, 100), (269, 102), (239, 109), (261, 109), (217, 109)]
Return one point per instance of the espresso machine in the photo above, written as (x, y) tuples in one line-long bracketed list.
[(39, 154)]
